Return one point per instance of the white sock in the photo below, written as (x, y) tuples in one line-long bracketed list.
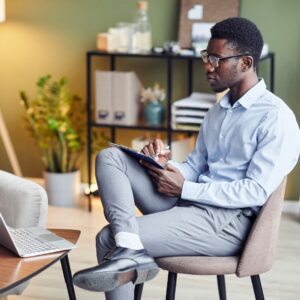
[(128, 240)]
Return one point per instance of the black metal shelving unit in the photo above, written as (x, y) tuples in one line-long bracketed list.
[(168, 58)]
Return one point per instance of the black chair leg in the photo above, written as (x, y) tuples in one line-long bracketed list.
[(221, 287), (257, 288), (171, 287), (68, 277), (138, 290)]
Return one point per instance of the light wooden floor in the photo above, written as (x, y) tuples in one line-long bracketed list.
[(281, 283)]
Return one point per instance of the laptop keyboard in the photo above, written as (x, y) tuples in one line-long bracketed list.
[(28, 243)]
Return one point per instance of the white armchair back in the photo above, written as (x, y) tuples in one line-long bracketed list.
[(23, 203)]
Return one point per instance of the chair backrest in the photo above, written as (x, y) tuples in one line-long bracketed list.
[(23, 203), (259, 250)]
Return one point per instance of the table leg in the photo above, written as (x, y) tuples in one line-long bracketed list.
[(68, 277)]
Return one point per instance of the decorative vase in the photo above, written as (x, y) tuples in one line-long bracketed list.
[(154, 113), (63, 189)]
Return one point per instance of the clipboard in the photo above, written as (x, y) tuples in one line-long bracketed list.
[(137, 155)]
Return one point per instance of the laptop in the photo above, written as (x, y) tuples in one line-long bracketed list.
[(28, 242)]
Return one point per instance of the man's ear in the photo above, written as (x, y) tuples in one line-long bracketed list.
[(247, 63)]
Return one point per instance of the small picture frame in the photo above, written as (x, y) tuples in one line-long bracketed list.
[(198, 16)]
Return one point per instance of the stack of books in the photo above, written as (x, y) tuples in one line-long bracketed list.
[(188, 113)]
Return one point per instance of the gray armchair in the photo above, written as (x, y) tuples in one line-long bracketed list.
[(23, 203)]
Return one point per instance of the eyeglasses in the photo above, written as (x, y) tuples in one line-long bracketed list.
[(214, 60)]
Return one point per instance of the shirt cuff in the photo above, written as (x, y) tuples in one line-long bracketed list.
[(191, 190)]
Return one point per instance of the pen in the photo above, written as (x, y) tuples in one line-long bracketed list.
[(164, 149)]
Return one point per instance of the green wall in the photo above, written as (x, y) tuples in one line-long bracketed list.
[(52, 36)]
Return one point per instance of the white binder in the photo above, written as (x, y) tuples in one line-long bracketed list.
[(103, 95), (126, 93)]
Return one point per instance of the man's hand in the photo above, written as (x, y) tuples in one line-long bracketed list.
[(158, 151), (169, 181)]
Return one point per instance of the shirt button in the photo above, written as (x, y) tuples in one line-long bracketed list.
[(212, 176), (221, 159), (221, 136), (230, 110)]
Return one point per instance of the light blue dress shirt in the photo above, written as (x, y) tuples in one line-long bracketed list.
[(242, 152)]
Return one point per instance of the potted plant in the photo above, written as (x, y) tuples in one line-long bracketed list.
[(54, 118), (154, 110)]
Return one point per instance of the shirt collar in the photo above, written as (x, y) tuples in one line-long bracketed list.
[(248, 99)]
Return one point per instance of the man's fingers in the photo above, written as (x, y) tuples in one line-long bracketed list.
[(154, 148), (170, 167), (158, 146), (165, 153), (151, 149), (145, 151), (149, 166), (153, 174)]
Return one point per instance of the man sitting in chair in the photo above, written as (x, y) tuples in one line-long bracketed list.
[(248, 143)]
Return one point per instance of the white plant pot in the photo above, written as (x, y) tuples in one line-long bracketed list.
[(63, 189)]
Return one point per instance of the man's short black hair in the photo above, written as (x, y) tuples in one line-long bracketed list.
[(243, 34)]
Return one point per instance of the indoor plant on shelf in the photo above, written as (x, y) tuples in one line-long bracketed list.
[(55, 120)]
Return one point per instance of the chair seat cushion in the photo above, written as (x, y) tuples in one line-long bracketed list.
[(199, 265)]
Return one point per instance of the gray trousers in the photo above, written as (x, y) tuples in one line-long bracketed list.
[(169, 226)]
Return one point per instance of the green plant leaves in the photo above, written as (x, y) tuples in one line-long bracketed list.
[(55, 118)]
